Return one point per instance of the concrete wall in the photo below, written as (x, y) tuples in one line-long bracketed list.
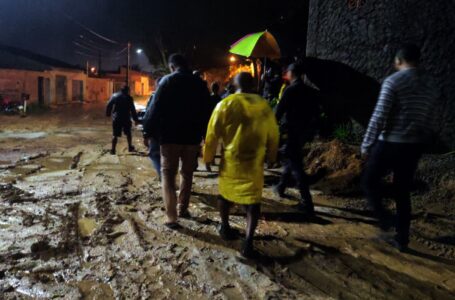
[(367, 37), (13, 83), (70, 76), (99, 89)]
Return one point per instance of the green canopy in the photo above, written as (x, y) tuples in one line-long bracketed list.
[(260, 45)]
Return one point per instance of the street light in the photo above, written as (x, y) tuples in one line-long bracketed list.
[(139, 51), (232, 59), (93, 70)]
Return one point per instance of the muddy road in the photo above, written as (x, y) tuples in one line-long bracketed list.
[(79, 223)]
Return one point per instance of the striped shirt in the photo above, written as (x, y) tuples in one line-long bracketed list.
[(404, 111)]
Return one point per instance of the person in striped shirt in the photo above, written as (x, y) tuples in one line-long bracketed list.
[(401, 125)]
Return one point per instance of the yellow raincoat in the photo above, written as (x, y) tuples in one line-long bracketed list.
[(248, 131)]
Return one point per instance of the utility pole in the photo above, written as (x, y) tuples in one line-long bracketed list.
[(128, 65), (99, 63)]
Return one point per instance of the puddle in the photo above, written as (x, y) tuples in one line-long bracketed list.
[(92, 290), (22, 135), (87, 226)]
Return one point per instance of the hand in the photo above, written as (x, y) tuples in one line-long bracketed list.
[(147, 142), (271, 165)]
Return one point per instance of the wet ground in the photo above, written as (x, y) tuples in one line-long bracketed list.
[(79, 223)]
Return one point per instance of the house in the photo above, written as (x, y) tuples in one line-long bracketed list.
[(140, 82), (46, 81)]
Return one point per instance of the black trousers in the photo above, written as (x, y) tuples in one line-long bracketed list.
[(292, 159), (401, 159)]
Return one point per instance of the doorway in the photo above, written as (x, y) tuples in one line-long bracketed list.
[(44, 91)]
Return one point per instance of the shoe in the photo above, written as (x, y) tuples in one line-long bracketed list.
[(184, 214), (112, 152), (131, 149), (227, 233), (248, 250), (307, 207), (393, 241), (278, 191), (173, 225)]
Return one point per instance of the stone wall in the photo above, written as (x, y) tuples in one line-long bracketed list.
[(366, 38)]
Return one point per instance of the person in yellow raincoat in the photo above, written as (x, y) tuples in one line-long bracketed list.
[(245, 125)]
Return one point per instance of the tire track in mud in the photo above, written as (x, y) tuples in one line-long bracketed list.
[(129, 254)]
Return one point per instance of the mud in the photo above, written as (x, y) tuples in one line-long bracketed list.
[(78, 223)]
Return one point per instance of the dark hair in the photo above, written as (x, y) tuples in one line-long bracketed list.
[(215, 87), (125, 89), (296, 69), (409, 53), (245, 81), (178, 61)]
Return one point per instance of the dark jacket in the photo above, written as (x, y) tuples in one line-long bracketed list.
[(180, 111), (300, 106), (122, 109)]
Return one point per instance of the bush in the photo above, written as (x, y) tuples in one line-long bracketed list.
[(349, 133)]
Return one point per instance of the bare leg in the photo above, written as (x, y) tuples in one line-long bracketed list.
[(252, 217), (224, 207)]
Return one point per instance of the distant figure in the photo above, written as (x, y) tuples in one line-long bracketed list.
[(215, 95), (401, 124), (151, 143), (178, 119), (121, 107), (300, 107), (228, 90), (215, 98), (247, 129), (272, 84)]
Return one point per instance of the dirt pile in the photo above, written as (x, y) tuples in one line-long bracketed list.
[(335, 167)]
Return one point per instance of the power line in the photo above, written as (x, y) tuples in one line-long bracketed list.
[(93, 32)]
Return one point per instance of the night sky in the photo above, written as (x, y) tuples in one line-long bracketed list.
[(201, 29)]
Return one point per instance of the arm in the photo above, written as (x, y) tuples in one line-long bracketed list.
[(109, 107), (133, 111), (272, 139), (152, 115), (282, 105), (379, 118), (208, 108), (214, 132)]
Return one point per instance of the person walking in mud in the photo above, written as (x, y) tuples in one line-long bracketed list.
[(248, 131), (401, 125), (300, 107), (152, 143), (178, 119), (121, 108)]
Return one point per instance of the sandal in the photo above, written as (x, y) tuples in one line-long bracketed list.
[(173, 225)]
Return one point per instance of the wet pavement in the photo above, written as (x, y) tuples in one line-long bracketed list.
[(79, 223)]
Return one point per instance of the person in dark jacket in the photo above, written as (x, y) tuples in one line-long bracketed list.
[(152, 144), (121, 108), (178, 119), (402, 123), (300, 107)]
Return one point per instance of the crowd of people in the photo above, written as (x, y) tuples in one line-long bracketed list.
[(182, 115)]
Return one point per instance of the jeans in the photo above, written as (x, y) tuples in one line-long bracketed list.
[(401, 159), (155, 156), (292, 160), (171, 156)]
